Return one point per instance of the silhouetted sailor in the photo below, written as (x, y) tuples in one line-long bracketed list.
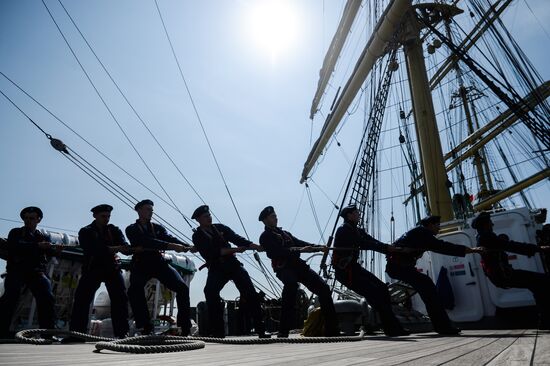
[(148, 240), (292, 270), (352, 275), (401, 266), (28, 249), (212, 242), (499, 271), (100, 242)]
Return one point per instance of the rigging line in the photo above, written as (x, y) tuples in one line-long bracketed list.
[(87, 142), (44, 226), (522, 66), (48, 136), (101, 183), (298, 209), (80, 165), (113, 116), (264, 289), (129, 200), (74, 153), (269, 277), (513, 102), (131, 106), (29, 118), (199, 118), (314, 212), (324, 193)]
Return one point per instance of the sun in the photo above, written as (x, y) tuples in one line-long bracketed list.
[(272, 26)]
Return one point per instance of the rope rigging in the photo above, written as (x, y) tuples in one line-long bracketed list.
[(121, 194), (88, 77), (366, 168), (199, 119), (88, 168), (203, 129), (363, 165), (138, 116), (107, 183), (258, 266), (88, 143), (40, 225), (314, 211), (515, 102)]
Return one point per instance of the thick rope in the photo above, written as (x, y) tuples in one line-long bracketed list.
[(27, 336), (165, 343), (141, 344), (357, 338), (151, 344)]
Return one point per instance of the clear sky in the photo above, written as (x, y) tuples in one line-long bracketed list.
[(251, 67)]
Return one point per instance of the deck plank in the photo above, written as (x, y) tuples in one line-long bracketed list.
[(542, 349), (473, 348), (425, 350), (486, 353), (447, 355), (518, 353)]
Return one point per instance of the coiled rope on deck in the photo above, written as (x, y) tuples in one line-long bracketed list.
[(151, 344), (166, 343), (27, 336), (140, 344), (244, 340)]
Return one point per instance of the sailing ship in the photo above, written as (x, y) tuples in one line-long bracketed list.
[(455, 121)]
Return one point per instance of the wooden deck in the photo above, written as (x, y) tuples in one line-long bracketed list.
[(474, 347)]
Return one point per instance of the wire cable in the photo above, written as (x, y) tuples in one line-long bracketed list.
[(113, 116), (139, 117), (199, 118)]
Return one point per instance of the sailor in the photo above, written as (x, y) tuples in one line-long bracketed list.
[(28, 249), (292, 270), (401, 266), (212, 242), (100, 242), (352, 275), (148, 240), (499, 271)]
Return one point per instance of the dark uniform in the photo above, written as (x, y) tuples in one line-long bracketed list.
[(499, 271), (100, 265), (350, 273), (222, 269), (401, 266), (26, 266), (151, 264), (292, 270)]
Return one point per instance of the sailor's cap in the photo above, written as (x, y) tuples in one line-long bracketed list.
[(348, 209), (102, 208), (266, 212), (199, 211), (143, 203), (31, 209)]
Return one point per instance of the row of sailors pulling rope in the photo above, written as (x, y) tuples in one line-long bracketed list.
[(283, 249)]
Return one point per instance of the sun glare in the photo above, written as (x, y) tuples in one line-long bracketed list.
[(272, 26)]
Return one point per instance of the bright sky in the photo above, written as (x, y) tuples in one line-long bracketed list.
[(251, 67)]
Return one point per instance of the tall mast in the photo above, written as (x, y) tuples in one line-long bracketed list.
[(429, 143), (483, 176)]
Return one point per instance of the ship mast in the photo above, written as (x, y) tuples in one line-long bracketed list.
[(398, 15), (467, 101), (429, 143)]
